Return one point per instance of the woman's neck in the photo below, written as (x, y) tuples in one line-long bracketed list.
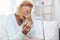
[(18, 19)]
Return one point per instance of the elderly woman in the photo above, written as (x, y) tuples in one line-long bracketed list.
[(18, 26)]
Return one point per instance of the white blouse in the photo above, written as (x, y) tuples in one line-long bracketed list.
[(10, 30)]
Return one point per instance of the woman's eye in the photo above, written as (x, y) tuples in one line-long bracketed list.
[(27, 11)]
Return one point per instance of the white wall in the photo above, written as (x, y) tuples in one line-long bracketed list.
[(5, 7), (13, 4), (57, 11)]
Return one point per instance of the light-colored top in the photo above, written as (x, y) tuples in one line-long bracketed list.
[(10, 30)]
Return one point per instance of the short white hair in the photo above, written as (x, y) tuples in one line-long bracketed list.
[(18, 3)]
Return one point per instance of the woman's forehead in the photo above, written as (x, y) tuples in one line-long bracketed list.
[(25, 7)]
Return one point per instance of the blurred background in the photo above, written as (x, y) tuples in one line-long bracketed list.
[(49, 10)]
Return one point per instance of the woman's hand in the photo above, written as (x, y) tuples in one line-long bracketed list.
[(26, 27)]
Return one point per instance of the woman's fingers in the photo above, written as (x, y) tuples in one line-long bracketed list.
[(26, 28), (26, 14)]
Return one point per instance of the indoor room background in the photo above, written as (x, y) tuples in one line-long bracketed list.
[(48, 10)]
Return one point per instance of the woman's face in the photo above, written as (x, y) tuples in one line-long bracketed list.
[(25, 12)]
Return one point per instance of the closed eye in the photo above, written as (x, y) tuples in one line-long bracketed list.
[(27, 11)]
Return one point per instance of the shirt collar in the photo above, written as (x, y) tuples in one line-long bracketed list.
[(14, 18)]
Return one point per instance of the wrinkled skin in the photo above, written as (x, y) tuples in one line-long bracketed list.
[(25, 14)]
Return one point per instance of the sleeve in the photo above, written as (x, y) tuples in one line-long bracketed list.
[(21, 36), (18, 36), (0, 33), (31, 34), (3, 34)]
